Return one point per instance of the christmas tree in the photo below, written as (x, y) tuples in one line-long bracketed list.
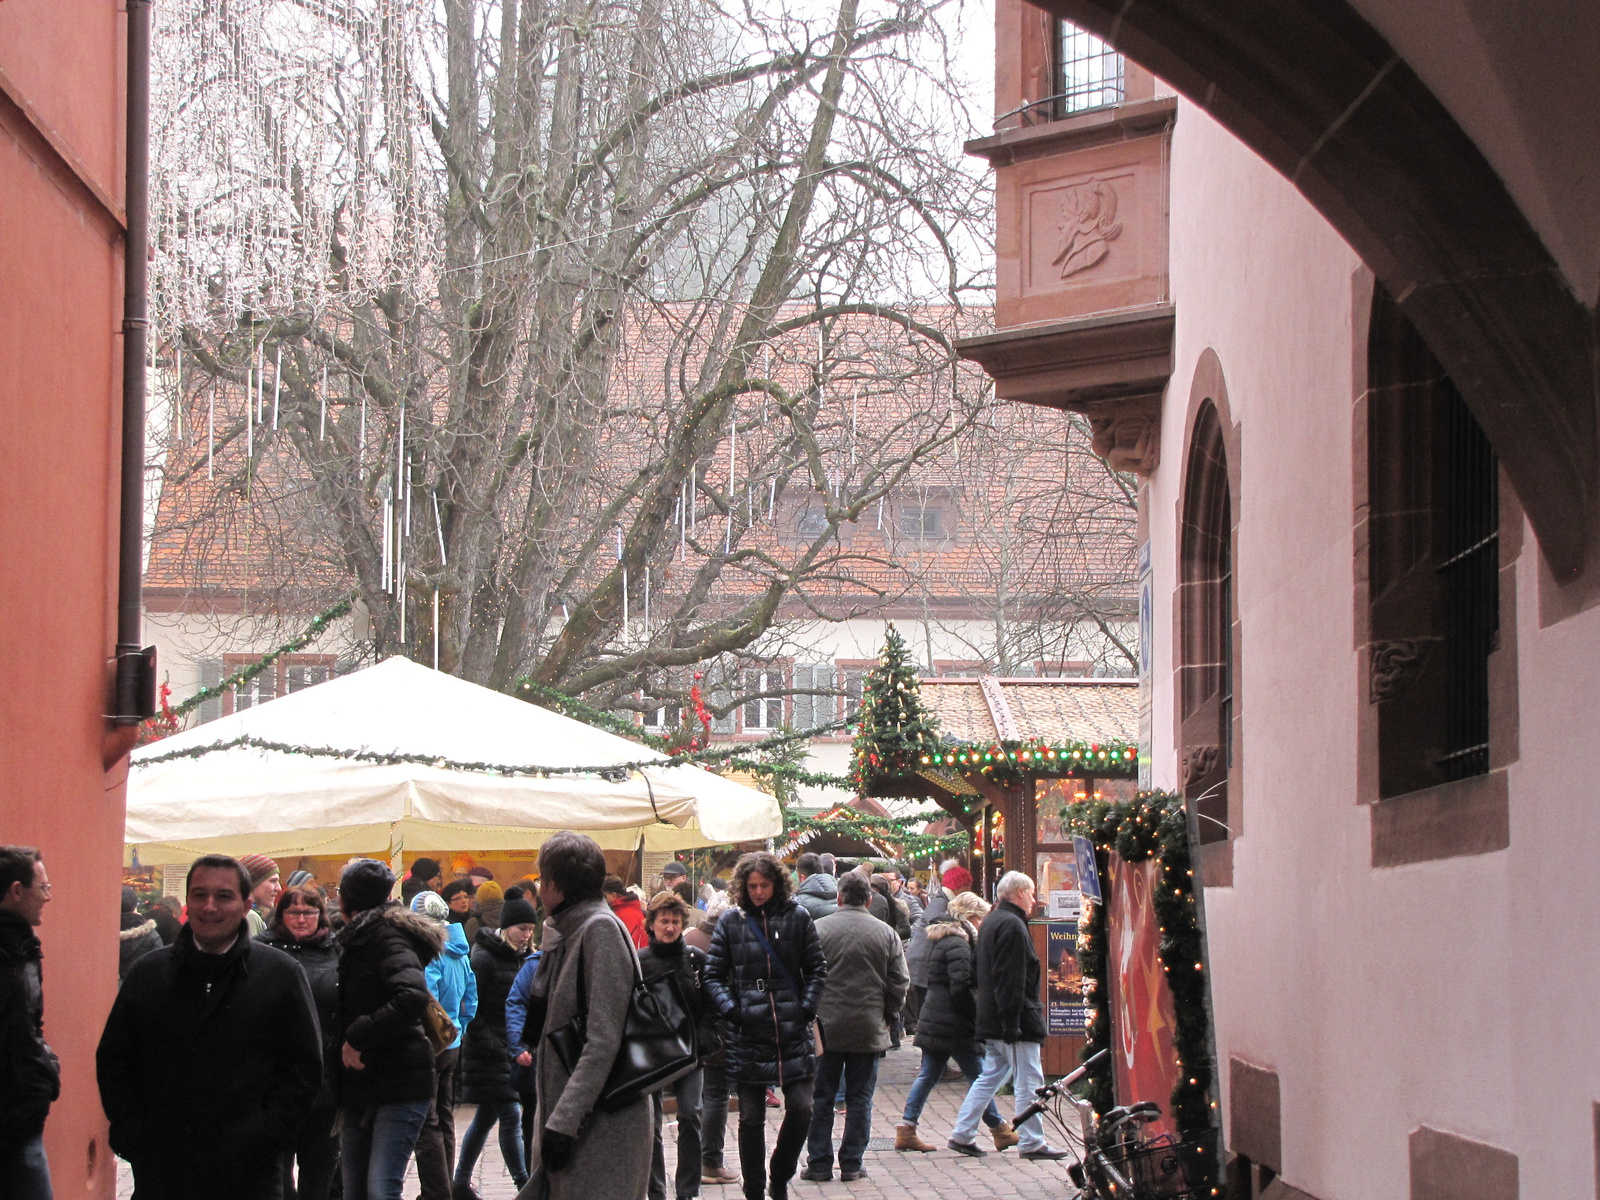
[(894, 730)]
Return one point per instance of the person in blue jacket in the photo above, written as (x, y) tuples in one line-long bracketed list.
[(455, 987), (523, 1041)]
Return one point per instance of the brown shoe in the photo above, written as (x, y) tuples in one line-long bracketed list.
[(1004, 1136), (717, 1175), (905, 1138)]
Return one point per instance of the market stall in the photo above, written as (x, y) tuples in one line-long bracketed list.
[(400, 757)]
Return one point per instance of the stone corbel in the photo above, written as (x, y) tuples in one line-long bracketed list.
[(1111, 368), (1127, 434)]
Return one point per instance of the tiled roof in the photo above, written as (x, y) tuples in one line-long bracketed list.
[(1051, 710), (1011, 494)]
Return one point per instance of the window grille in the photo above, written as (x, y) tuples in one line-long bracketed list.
[(765, 712), (1468, 568), (850, 684), (1088, 73), (922, 521), (667, 716), (811, 711), (813, 522)]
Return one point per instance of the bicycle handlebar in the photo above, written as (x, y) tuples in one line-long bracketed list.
[(1051, 1090)]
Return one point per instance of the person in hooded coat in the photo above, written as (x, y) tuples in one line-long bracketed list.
[(139, 935), (386, 1080), (765, 976), (946, 1029), (299, 927), (497, 956), (588, 967), (629, 911), (818, 893), (453, 984)]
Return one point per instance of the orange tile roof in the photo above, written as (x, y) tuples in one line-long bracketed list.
[(1050, 710)]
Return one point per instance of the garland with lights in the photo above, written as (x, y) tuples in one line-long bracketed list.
[(1011, 760), (1153, 825), (895, 731)]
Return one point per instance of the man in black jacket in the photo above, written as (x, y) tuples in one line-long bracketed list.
[(1010, 1020), (224, 1026), (30, 1077)]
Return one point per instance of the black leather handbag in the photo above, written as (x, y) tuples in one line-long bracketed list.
[(658, 1044)]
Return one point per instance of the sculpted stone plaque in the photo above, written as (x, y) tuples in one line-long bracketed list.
[(1087, 219)]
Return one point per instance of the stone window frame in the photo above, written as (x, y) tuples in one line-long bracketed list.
[(1202, 761), (1465, 816)]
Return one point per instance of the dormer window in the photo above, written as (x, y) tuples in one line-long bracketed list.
[(922, 521)]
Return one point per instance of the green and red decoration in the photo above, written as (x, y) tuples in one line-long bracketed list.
[(895, 734)]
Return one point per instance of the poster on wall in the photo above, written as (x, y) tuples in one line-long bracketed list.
[(1144, 1061), (1056, 876), (1063, 1006)]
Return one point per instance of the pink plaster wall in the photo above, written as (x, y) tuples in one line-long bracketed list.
[(1460, 994)]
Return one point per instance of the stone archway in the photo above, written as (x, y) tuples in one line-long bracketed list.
[(1323, 97)]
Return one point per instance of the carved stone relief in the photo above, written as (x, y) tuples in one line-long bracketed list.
[(1127, 441), (1198, 762), (1087, 220), (1395, 664)]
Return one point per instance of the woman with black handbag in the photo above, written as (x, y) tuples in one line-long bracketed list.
[(669, 954), (765, 975), (586, 977)]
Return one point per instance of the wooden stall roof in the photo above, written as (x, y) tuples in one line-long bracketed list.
[(986, 709)]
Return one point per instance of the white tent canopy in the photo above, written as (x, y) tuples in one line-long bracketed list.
[(245, 799)]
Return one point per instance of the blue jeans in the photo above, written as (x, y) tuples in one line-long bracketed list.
[(860, 1074), (933, 1064), (375, 1154), (24, 1171), (508, 1114), (1018, 1061)]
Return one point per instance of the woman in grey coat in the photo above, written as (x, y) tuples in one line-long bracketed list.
[(588, 966)]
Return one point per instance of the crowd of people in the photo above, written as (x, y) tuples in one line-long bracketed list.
[(320, 1045)]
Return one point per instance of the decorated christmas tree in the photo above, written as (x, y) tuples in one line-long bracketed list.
[(894, 730)]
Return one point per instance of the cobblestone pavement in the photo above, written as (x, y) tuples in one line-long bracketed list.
[(944, 1175)]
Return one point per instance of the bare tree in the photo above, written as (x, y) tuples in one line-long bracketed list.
[(538, 318)]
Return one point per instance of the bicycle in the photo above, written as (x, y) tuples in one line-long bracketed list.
[(1115, 1160)]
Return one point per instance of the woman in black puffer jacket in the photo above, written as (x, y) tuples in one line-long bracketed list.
[(299, 927), (764, 975), (386, 1078), (946, 1028), (497, 956)]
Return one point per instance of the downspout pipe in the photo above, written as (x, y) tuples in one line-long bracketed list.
[(134, 698)]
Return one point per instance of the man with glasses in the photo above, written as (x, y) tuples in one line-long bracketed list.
[(30, 1077)]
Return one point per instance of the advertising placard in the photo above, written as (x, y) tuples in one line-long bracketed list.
[(1064, 1009), (1088, 872), (1144, 1060)]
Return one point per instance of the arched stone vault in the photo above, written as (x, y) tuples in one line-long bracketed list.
[(1319, 94)]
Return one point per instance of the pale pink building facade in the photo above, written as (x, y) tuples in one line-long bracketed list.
[(1405, 974)]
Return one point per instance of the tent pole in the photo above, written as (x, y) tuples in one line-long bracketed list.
[(396, 843)]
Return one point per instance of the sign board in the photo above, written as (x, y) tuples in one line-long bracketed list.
[(1143, 1057), (1063, 1006), (650, 864), (1088, 872)]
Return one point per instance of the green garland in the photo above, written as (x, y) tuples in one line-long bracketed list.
[(1153, 825), (903, 832), (313, 631)]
